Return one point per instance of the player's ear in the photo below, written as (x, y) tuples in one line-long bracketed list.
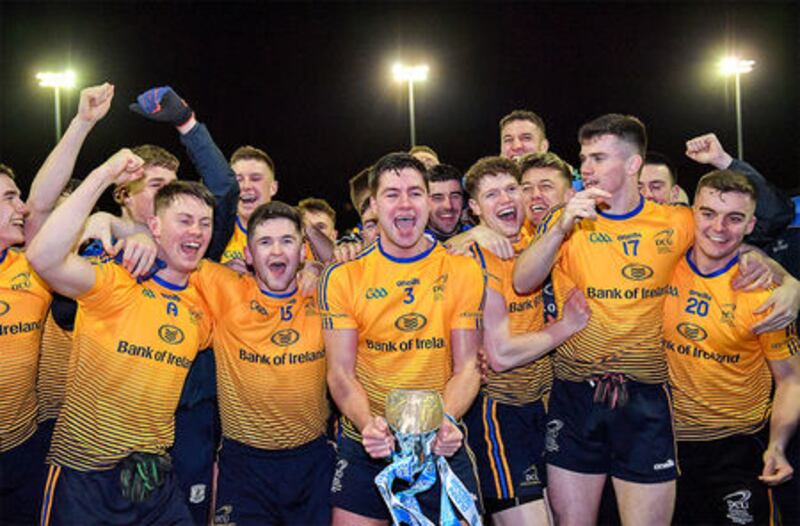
[(634, 164), (248, 256), (473, 206), (545, 145), (273, 188), (154, 224)]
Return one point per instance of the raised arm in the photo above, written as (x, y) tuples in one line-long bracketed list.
[(164, 105), (51, 252), (54, 174), (774, 209)]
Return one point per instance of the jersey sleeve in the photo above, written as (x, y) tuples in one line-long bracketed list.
[(107, 277), (776, 345), (546, 225), (470, 296), (335, 295), (494, 279), (217, 285)]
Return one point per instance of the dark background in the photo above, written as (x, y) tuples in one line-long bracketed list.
[(311, 83)]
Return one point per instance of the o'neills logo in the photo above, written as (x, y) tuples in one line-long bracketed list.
[(411, 322)]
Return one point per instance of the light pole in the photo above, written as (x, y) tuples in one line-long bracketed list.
[(410, 74), (64, 79), (735, 66)]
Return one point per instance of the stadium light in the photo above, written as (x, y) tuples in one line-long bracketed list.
[(57, 81), (410, 75), (734, 66)]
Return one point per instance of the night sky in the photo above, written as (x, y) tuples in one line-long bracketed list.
[(311, 83)]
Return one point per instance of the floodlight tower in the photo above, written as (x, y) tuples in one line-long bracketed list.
[(57, 81), (411, 74), (735, 66)]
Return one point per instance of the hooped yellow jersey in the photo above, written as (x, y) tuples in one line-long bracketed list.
[(270, 356), (235, 247), (51, 382), (623, 264), (403, 310), (526, 383), (24, 301), (721, 382), (133, 345)]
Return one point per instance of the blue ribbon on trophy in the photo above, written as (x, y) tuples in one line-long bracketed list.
[(415, 416)]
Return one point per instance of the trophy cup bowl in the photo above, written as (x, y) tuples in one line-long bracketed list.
[(414, 411)]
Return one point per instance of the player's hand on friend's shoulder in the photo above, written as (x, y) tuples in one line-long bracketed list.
[(94, 103), (377, 438), (783, 306), (139, 253), (238, 264), (706, 149), (486, 238), (347, 251)]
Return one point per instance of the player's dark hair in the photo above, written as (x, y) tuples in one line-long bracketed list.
[(359, 184), (626, 128), (169, 193), (7, 171), (245, 153), (444, 172), (157, 156), (274, 210), (546, 160), (394, 162), (523, 115), (727, 181), (315, 204), (659, 158), (488, 167)]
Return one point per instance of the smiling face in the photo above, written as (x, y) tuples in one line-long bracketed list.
[(12, 214), (609, 163), (182, 230), (275, 250), (543, 189), (401, 206), (498, 204), (520, 137), (721, 221), (446, 203), (257, 185)]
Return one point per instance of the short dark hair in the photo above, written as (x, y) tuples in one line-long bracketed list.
[(659, 158), (626, 128), (523, 115), (315, 204), (488, 166), (244, 153), (359, 184), (546, 160), (153, 155), (422, 148), (7, 171), (394, 162), (273, 210), (169, 193), (444, 172), (727, 181)]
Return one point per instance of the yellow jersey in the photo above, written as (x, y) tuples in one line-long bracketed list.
[(623, 264), (530, 382), (235, 247), (721, 382), (133, 346), (24, 301), (404, 310), (270, 356), (51, 381)]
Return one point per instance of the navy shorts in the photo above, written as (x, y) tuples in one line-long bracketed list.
[(94, 497), (22, 475), (291, 486), (354, 489), (719, 482), (634, 442), (508, 442)]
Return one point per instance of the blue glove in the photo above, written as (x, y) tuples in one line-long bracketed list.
[(162, 105)]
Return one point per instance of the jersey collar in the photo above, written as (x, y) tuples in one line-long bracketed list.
[(411, 259), (278, 296), (620, 217), (713, 274), (240, 225), (167, 285)]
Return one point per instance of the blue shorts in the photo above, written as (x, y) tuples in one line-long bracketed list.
[(508, 442), (22, 475), (94, 497), (634, 442), (291, 486), (354, 489), (193, 455)]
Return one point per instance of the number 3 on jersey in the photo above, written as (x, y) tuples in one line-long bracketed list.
[(409, 295)]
